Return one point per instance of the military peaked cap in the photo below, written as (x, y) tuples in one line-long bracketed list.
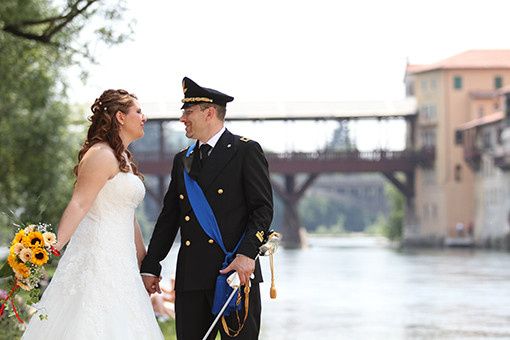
[(196, 94)]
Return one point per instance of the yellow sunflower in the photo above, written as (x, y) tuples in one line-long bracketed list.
[(12, 259), (35, 239), (19, 238), (22, 270), (39, 257)]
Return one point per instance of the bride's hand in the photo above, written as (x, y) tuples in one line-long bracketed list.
[(151, 284)]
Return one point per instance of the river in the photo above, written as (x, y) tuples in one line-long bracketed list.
[(360, 288)]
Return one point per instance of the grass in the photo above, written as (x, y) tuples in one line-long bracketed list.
[(168, 329)]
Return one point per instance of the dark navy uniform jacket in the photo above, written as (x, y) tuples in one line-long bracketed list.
[(235, 181)]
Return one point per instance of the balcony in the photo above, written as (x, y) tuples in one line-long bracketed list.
[(426, 157), (502, 153), (472, 156), (502, 159)]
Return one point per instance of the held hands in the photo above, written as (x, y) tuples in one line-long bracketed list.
[(243, 265), (151, 284)]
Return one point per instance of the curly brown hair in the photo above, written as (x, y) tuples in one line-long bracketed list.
[(104, 127)]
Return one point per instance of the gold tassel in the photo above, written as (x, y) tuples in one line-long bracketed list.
[(272, 290), (230, 331)]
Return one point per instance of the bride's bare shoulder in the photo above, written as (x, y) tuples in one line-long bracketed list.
[(100, 156), (100, 150)]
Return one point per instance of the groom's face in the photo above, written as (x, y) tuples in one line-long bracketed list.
[(194, 119)]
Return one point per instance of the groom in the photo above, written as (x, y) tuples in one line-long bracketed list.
[(232, 173)]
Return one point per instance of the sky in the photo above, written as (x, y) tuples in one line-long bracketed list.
[(290, 51)]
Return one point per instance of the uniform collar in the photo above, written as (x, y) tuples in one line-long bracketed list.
[(214, 139)]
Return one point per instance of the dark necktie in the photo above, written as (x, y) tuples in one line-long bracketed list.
[(204, 152)]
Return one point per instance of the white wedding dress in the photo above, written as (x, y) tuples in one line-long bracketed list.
[(97, 291)]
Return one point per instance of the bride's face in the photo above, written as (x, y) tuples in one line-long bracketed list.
[(133, 122)]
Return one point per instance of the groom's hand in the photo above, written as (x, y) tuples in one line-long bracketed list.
[(243, 265), (151, 284)]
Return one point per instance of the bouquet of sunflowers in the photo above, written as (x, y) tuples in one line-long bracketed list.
[(30, 250)]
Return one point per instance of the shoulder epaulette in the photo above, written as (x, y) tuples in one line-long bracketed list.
[(244, 139)]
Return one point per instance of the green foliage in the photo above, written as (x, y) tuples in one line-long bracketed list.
[(59, 24), (11, 328), (378, 227), (394, 225), (38, 40), (336, 229), (330, 215), (38, 144), (341, 139), (38, 153), (5, 270)]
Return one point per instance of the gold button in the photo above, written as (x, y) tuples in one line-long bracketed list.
[(220, 191), (186, 218), (188, 242), (211, 241), (181, 196)]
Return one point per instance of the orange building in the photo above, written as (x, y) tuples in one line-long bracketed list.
[(450, 93)]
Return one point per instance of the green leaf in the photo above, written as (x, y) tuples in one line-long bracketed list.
[(6, 270)]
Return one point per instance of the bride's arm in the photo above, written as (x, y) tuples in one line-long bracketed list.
[(140, 247), (97, 166)]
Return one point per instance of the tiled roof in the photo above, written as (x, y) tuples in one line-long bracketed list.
[(488, 119), (504, 89), (473, 59)]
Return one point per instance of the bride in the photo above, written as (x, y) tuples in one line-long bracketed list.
[(97, 291)]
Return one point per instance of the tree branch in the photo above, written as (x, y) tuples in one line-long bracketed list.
[(73, 13), (55, 24)]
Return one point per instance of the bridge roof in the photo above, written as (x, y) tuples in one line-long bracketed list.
[(246, 111)]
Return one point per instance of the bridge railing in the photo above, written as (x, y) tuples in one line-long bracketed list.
[(375, 155), (349, 154), (424, 156)]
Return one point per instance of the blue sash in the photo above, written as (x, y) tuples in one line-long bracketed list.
[(207, 220)]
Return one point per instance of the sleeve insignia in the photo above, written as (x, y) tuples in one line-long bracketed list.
[(260, 235)]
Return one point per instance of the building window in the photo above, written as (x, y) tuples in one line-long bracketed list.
[(498, 82), (458, 172), (428, 113), (428, 137), (457, 82), (433, 84), (433, 112), (424, 85), (459, 137)]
